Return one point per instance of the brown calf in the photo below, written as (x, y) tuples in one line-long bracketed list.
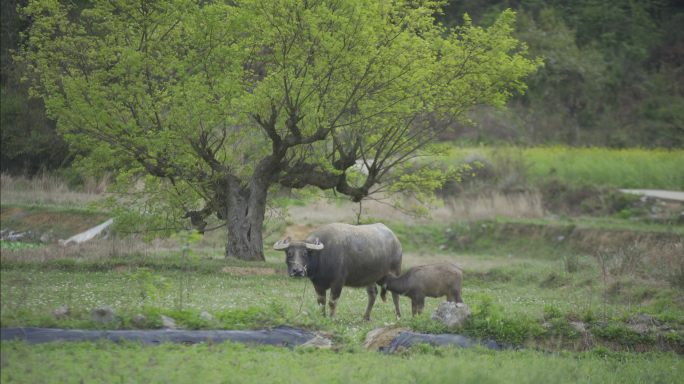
[(434, 280)]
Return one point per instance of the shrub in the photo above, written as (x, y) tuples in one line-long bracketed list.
[(671, 264), (552, 312), (623, 260)]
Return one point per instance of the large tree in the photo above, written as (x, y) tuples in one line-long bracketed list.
[(215, 104)]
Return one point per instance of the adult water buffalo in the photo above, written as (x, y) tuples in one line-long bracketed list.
[(337, 255)]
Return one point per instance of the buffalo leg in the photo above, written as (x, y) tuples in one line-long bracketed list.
[(320, 296), (417, 305), (454, 297), (372, 291), (335, 293), (395, 298)]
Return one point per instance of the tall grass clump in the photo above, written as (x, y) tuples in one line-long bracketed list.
[(49, 189)]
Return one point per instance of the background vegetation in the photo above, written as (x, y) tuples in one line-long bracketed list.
[(612, 77)]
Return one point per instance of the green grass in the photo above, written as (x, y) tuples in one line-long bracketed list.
[(531, 301), (33, 208), (234, 362), (622, 168), (19, 245), (509, 302)]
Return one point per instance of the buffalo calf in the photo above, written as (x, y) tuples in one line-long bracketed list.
[(434, 280)]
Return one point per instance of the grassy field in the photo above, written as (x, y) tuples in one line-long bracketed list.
[(621, 168), (524, 287), (528, 300), (235, 363)]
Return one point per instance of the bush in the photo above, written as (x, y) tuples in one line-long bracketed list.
[(551, 312), (623, 260)]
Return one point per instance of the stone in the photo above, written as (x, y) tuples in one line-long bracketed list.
[(680, 220), (453, 315), (103, 314), (443, 247), (16, 236), (381, 337), (61, 312), (45, 239), (560, 238), (168, 322), (139, 319), (552, 216), (319, 342), (206, 316)]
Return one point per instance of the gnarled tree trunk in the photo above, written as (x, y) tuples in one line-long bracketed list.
[(246, 209)]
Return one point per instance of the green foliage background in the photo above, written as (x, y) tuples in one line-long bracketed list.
[(613, 76), (613, 72)]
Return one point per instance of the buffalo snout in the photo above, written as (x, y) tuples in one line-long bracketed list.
[(297, 272)]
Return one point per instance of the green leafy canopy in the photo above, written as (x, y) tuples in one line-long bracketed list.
[(195, 97)]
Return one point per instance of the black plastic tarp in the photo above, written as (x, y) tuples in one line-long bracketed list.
[(409, 339), (281, 335)]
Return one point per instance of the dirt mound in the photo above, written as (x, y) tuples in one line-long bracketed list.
[(381, 337)]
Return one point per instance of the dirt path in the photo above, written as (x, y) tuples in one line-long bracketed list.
[(661, 194)]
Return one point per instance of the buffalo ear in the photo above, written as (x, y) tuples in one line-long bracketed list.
[(282, 244), (315, 246)]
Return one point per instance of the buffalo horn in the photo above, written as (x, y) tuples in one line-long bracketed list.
[(316, 246), (282, 244)]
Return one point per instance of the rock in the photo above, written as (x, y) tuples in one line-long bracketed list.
[(443, 247), (61, 312), (206, 316), (427, 236), (552, 216), (318, 342), (17, 236), (45, 239), (560, 238), (656, 210), (103, 314), (680, 220), (168, 322), (381, 337), (453, 315), (139, 319)]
